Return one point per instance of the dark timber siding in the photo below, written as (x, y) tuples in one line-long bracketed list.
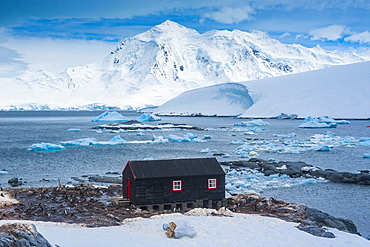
[(151, 183)]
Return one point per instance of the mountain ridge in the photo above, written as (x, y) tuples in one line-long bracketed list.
[(168, 59)]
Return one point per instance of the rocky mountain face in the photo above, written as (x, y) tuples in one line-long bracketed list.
[(157, 65)]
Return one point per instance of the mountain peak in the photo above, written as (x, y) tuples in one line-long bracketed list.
[(172, 28)]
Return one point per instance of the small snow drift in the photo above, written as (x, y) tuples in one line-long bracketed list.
[(147, 117), (229, 99), (109, 117)]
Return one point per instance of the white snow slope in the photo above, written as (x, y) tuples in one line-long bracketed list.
[(239, 230), (339, 92), (157, 65), (230, 99)]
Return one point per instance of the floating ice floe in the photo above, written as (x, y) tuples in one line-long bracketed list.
[(311, 122), (73, 130), (363, 156), (321, 148), (45, 147), (109, 117), (237, 142), (290, 135), (317, 142), (364, 141), (244, 180), (328, 120), (257, 122), (188, 137), (206, 150), (3, 172), (117, 140), (145, 117), (159, 140), (80, 142)]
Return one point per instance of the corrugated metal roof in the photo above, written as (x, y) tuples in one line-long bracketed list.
[(175, 168)]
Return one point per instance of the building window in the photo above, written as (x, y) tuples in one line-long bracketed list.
[(212, 183), (176, 185)]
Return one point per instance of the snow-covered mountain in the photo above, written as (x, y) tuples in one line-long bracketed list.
[(157, 65), (339, 92)]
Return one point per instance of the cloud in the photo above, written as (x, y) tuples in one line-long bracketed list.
[(11, 63), (285, 35), (361, 38), (332, 33), (230, 15), (55, 55)]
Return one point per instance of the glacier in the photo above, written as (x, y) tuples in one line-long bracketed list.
[(339, 92), (153, 67)]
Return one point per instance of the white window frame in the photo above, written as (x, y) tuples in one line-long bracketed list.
[(212, 183), (176, 185)]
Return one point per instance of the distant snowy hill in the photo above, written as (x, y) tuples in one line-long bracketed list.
[(339, 92), (157, 65)]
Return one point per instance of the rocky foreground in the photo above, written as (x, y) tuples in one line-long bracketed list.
[(301, 169), (97, 206)]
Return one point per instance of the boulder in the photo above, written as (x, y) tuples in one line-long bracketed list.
[(21, 235), (324, 219), (315, 230), (363, 178), (14, 182)]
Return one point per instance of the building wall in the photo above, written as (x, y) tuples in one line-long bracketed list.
[(160, 191)]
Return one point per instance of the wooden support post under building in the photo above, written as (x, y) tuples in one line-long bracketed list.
[(198, 204)]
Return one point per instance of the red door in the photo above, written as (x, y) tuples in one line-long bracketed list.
[(128, 187)]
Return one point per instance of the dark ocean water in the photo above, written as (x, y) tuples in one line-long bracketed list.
[(19, 130)]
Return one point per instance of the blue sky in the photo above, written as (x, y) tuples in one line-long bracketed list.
[(86, 30)]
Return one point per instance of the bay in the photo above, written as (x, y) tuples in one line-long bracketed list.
[(19, 130)]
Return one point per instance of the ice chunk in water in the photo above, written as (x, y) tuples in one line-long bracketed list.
[(45, 147)]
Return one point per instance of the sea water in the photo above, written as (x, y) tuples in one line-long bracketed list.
[(19, 130)]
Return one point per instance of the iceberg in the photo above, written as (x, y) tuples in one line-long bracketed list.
[(367, 156), (147, 117), (159, 140), (257, 122), (3, 172), (80, 142), (109, 117), (117, 140), (286, 116), (188, 137), (45, 147), (73, 130), (311, 122), (328, 120)]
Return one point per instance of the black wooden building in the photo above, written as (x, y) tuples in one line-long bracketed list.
[(156, 182)]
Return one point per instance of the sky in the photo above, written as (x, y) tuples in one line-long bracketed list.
[(56, 34)]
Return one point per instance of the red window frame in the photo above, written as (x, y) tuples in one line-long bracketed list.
[(212, 183), (176, 185)]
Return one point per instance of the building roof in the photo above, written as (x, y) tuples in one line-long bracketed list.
[(174, 168)]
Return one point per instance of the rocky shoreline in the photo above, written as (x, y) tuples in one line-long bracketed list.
[(97, 207), (301, 169)]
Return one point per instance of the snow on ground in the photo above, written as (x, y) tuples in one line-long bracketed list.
[(228, 99), (339, 92), (239, 230)]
